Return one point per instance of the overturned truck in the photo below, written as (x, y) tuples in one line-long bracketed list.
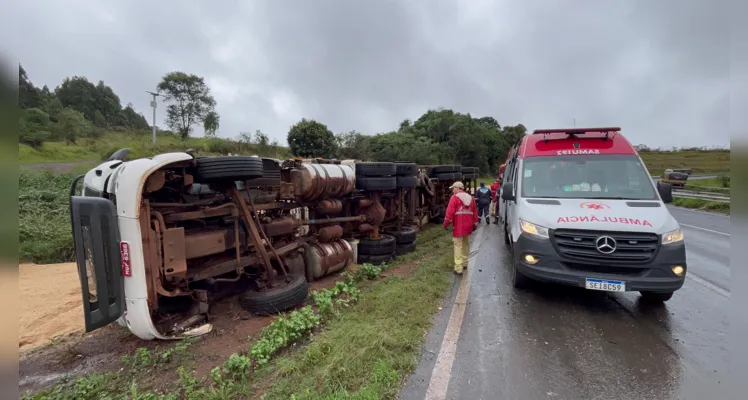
[(159, 240)]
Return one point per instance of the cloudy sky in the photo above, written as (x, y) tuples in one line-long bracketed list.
[(659, 69)]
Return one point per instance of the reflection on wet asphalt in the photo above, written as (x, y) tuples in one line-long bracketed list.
[(555, 342)]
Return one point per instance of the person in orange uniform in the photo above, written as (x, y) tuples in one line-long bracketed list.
[(494, 190), (462, 212)]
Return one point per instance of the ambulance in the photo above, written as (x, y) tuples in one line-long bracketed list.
[(579, 208)]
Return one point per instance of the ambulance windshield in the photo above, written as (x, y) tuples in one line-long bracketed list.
[(587, 177)]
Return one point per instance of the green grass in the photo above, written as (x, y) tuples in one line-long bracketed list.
[(371, 348), (702, 162), (44, 231), (140, 144), (364, 352), (705, 205)]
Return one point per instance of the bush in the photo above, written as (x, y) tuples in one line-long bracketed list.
[(724, 181), (44, 231)]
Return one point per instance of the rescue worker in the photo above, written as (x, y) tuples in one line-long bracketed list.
[(494, 192), (483, 198), (462, 213)]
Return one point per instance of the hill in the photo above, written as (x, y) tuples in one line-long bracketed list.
[(701, 161)]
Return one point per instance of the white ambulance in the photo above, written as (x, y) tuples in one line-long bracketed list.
[(578, 207)]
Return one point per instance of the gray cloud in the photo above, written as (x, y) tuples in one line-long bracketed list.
[(658, 69)]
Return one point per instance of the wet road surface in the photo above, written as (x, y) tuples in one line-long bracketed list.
[(555, 342)]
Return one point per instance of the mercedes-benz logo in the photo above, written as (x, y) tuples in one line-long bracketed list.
[(605, 244)]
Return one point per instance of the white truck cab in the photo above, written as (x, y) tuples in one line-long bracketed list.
[(578, 207)]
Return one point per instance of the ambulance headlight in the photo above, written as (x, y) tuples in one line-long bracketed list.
[(671, 237), (532, 229)]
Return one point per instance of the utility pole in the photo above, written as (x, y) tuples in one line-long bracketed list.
[(153, 105)]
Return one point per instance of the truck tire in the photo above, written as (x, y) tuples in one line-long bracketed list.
[(407, 182), (375, 247), (403, 249), (277, 299), (375, 260), (404, 236), (469, 170), (376, 169), (271, 175), (376, 183), (406, 169), (449, 176), (228, 169), (441, 169)]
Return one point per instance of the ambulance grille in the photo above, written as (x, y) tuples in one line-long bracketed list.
[(631, 247)]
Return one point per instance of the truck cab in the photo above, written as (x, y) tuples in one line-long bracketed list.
[(580, 208)]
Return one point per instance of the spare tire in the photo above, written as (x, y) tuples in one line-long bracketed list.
[(228, 169), (376, 183), (407, 182), (376, 169), (404, 235), (469, 170), (277, 299), (403, 249), (374, 247), (406, 169)]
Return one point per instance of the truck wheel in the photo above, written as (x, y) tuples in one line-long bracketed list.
[(277, 299), (449, 176), (404, 236), (375, 259), (406, 169), (228, 169), (407, 182), (403, 249), (376, 169), (376, 183), (385, 245), (441, 169), (653, 297), (271, 175)]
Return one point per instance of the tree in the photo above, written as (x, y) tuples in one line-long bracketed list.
[(28, 95), (71, 126), (132, 119), (309, 138), (80, 95), (190, 100), (353, 145), (211, 123), (34, 127)]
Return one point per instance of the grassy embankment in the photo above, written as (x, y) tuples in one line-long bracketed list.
[(363, 349), (140, 144)]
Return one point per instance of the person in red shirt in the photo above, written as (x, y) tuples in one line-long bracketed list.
[(493, 210), (463, 214)]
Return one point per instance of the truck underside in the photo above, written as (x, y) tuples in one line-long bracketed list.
[(261, 228)]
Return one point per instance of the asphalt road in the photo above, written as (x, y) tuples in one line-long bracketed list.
[(553, 342)]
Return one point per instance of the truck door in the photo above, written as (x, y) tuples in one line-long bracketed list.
[(100, 265)]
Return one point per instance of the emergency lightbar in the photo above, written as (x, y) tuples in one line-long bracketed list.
[(577, 131)]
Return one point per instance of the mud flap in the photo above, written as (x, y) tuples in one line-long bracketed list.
[(100, 267)]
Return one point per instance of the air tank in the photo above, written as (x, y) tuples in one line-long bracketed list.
[(320, 181)]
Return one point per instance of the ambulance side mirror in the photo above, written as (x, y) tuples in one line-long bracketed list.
[(666, 192), (507, 192)]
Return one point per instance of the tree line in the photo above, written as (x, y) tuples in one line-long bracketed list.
[(78, 108), (439, 136)]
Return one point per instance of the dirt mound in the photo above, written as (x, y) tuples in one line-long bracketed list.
[(50, 304)]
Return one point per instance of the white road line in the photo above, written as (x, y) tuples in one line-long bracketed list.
[(702, 281), (440, 376), (704, 229)]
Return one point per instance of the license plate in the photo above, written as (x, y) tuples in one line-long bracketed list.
[(605, 285)]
